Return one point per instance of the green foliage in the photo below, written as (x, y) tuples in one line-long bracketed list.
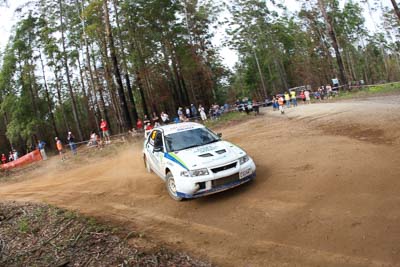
[(23, 225), (165, 48)]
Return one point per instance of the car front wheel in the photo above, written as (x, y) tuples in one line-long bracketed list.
[(171, 187)]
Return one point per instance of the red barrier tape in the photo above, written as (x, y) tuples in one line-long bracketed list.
[(28, 158)]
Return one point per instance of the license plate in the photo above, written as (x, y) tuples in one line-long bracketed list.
[(245, 173)]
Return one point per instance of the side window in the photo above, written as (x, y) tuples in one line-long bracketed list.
[(158, 140)]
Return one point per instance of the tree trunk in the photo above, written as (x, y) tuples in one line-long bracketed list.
[(49, 106), (396, 8), (260, 73), (101, 102), (58, 87), (332, 34), (127, 123), (71, 92), (125, 65)]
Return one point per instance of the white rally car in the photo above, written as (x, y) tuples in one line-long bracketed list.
[(193, 161)]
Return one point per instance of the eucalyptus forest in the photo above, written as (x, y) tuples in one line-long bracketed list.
[(70, 63)]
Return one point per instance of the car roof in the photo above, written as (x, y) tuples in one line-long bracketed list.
[(179, 127)]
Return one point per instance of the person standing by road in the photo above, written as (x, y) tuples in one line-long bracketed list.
[(275, 104), (193, 110), (71, 142), (15, 154), (41, 145), (293, 98), (105, 131), (287, 99), (139, 125), (203, 114), (281, 103), (307, 97), (302, 96), (60, 149), (3, 159)]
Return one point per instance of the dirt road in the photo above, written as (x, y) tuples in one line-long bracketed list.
[(326, 192)]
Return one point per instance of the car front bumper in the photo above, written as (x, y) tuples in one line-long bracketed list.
[(219, 188)]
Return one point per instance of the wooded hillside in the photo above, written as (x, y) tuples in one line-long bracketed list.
[(70, 63)]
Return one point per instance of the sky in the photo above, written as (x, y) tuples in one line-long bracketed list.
[(229, 57)]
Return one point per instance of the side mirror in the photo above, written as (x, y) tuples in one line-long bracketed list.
[(158, 149), (219, 135)]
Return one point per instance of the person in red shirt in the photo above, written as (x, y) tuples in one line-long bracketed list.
[(139, 125), (106, 132), (3, 159), (149, 127)]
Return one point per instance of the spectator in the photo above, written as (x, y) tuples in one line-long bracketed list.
[(105, 131), (317, 95), (293, 98), (146, 120), (149, 127), (249, 107), (202, 113), (329, 90), (60, 149), (183, 118), (41, 146), (275, 105), (307, 97), (164, 118), (139, 125), (193, 110), (187, 112), (3, 159), (287, 99), (10, 156), (302, 96), (15, 154), (155, 119), (256, 107), (226, 107), (281, 103), (180, 112), (71, 142), (93, 139)]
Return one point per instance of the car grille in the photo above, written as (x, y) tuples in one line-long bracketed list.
[(225, 180), (223, 168)]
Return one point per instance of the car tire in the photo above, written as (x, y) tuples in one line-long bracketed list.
[(171, 188), (146, 164)]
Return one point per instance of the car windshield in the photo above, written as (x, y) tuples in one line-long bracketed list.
[(191, 138)]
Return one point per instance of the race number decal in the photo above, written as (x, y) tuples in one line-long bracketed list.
[(153, 135)]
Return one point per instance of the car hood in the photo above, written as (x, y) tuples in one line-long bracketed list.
[(207, 156)]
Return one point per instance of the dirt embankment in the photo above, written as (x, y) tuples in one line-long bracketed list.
[(326, 192)]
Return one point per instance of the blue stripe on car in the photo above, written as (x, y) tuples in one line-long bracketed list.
[(168, 156)]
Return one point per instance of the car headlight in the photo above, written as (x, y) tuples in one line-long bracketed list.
[(243, 159), (199, 172)]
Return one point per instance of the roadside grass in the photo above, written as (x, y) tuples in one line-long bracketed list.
[(371, 90)]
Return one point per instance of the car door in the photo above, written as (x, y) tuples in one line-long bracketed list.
[(155, 150)]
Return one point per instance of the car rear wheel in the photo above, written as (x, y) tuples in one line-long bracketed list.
[(146, 164), (171, 187)]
